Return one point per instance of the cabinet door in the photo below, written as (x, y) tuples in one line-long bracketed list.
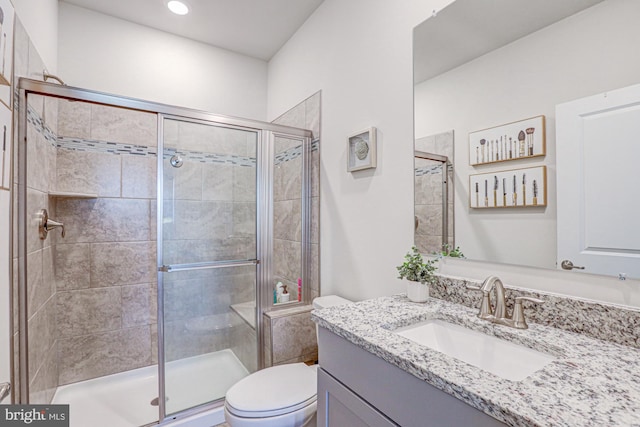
[(338, 406)]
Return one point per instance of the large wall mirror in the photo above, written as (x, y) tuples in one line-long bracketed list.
[(481, 64)]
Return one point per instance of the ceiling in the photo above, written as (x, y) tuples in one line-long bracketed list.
[(257, 28), (467, 29)]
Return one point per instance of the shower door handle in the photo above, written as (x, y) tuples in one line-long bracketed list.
[(207, 265)]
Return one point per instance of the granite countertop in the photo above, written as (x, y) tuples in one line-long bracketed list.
[(591, 383)]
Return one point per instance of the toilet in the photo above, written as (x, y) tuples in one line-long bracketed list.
[(279, 396)]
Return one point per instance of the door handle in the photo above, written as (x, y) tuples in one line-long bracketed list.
[(568, 265)]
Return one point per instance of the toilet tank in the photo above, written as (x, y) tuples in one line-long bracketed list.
[(328, 301)]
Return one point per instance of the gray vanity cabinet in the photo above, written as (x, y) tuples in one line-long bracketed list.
[(342, 407), (357, 388)]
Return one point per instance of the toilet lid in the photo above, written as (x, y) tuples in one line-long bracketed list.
[(273, 391)]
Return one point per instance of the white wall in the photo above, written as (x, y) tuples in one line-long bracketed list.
[(359, 54), (580, 56), (111, 55), (40, 19)]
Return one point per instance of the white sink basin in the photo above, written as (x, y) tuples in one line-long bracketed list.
[(503, 358)]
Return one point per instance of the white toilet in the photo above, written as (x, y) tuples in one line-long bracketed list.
[(280, 396)]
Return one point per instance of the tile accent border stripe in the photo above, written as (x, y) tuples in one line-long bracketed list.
[(428, 170), (107, 147)]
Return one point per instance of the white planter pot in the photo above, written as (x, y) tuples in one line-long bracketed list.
[(417, 292)]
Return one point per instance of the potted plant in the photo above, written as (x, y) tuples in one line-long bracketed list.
[(419, 274)]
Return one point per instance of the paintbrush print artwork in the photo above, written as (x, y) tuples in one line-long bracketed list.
[(512, 141), (526, 187)]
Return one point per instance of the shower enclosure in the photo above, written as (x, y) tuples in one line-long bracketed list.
[(143, 304)]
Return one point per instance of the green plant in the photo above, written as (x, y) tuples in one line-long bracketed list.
[(415, 268), (452, 253)]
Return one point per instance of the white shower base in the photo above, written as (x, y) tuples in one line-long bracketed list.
[(124, 399)]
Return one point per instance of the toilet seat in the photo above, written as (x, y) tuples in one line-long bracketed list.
[(273, 391)]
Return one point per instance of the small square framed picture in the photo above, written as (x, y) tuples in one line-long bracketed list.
[(361, 150)]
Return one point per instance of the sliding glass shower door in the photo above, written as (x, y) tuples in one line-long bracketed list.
[(208, 252)]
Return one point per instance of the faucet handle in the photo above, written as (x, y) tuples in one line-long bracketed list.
[(518, 319), (485, 306), (46, 224)]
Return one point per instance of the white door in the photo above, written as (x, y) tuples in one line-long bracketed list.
[(598, 170)]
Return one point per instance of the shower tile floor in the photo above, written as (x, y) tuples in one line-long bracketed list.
[(124, 399)]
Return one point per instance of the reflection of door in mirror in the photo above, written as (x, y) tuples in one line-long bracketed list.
[(433, 192), (597, 140)]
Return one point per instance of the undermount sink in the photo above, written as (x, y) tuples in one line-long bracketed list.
[(503, 358)]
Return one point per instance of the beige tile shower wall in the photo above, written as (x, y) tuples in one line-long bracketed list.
[(287, 201), (106, 265), (287, 219), (290, 336), (41, 315), (428, 211)]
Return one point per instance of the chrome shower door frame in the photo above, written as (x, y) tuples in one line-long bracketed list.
[(264, 237)]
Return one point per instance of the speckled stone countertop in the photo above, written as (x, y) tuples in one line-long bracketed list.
[(591, 383)]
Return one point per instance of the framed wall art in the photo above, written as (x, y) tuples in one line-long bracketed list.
[(361, 150), (6, 50), (5, 146), (525, 187), (512, 141)]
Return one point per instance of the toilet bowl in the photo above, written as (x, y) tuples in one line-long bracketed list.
[(279, 396)]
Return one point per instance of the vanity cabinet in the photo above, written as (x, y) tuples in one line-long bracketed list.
[(342, 407), (357, 388)]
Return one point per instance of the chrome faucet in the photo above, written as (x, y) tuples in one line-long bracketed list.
[(499, 314), (492, 282)]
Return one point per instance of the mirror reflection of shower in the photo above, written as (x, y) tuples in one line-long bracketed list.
[(433, 194)]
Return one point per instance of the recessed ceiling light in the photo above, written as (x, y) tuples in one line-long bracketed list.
[(178, 7)]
